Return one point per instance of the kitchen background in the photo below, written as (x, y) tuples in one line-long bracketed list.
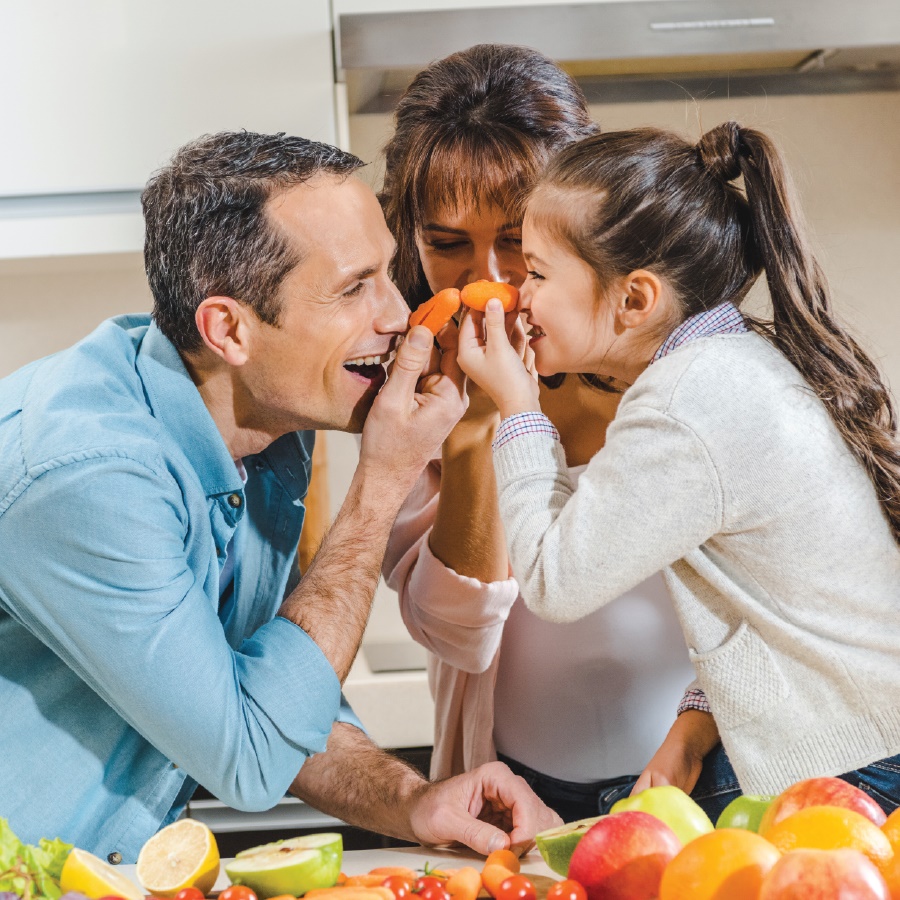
[(95, 95)]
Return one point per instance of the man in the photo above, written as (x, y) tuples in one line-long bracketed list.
[(153, 634)]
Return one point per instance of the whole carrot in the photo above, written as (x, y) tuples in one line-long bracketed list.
[(464, 884)]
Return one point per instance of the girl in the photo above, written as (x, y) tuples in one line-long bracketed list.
[(756, 465), (579, 709)]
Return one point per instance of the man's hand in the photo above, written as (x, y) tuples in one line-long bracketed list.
[(486, 809), (410, 418), (680, 756)]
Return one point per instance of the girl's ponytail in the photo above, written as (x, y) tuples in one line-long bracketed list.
[(803, 327)]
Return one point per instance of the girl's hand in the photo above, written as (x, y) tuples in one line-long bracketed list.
[(490, 359), (680, 756)]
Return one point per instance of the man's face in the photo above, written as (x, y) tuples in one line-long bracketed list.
[(323, 364)]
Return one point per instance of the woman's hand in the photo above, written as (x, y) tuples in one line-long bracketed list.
[(491, 359), (680, 756)]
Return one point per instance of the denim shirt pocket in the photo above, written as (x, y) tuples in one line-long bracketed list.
[(740, 677)]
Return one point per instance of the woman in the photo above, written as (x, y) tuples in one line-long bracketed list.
[(576, 709)]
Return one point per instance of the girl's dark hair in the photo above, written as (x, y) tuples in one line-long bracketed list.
[(474, 128), (647, 199)]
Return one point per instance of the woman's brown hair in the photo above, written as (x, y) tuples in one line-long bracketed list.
[(474, 128), (647, 199)]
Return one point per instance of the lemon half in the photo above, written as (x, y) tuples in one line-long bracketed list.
[(183, 854), (87, 874)]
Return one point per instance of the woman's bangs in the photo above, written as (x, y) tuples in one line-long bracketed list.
[(463, 177)]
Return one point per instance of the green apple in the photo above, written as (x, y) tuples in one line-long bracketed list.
[(744, 812), (294, 866), (673, 806), (558, 844)]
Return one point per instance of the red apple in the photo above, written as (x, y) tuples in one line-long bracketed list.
[(821, 792), (824, 875), (623, 856)]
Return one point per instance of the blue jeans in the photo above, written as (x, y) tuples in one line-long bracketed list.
[(717, 785)]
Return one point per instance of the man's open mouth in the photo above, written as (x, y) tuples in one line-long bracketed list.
[(370, 367)]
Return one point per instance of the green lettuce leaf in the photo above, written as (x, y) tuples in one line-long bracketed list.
[(31, 872)]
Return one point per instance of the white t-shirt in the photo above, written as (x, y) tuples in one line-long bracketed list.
[(591, 699)]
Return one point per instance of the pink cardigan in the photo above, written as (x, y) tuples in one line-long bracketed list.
[(460, 621)]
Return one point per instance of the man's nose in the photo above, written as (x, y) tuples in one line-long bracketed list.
[(393, 313)]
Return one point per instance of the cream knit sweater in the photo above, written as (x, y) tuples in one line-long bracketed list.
[(723, 470)]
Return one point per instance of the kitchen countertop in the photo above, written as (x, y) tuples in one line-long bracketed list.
[(358, 862)]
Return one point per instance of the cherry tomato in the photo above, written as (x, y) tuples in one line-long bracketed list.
[(398, 885), (516, 887), (426, 881), (237, 892), (567, 890), (190, 893), (434, 892)]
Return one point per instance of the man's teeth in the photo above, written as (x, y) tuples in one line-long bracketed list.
[(536, 330), (370, 360)]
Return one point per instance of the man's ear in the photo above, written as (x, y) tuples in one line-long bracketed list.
[(222, 323), (640, 298)]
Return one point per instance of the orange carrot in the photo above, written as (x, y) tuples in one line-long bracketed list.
[(477, 294), (387, 871), (493, 876), (435, 313), (350, 892), (505, 858), (464, 884), (373, 879)]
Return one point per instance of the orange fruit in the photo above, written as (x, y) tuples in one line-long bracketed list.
[(831, 828), (891, 873), (728, 864), (891, 828)]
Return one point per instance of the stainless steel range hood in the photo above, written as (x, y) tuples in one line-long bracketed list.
[(642, 49)]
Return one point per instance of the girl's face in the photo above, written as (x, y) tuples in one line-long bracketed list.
[(572, 328), (457, 247)]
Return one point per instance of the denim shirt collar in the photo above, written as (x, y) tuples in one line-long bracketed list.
[(175, 401)]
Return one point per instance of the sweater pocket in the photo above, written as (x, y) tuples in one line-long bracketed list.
[(740, 678)]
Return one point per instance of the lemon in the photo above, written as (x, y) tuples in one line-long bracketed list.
[(557, 845), (183, 854), (87, 874), (294, 866)]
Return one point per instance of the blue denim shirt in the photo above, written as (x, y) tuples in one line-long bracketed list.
[(122, 681)]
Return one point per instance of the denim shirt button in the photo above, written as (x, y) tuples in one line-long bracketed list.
[(114, 858), (235, 501)]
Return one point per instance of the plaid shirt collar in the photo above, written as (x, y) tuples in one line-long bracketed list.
[(722, 319)]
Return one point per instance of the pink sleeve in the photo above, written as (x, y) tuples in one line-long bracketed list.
[(459, 619)]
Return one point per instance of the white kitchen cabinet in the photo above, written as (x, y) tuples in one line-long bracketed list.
[(96, 94)]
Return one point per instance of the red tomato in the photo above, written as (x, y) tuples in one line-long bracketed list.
[(398, 885), (237, 892), (434, 891), (190, 893), (566, 890), (516, 887), (426, 881)]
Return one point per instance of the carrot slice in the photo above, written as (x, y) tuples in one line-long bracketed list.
[(493, 876), (435, 313), (464, 884), (477, 294)]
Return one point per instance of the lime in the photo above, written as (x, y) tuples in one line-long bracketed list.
[(87, 874), (558, 844), (744, 812), (294, 866)]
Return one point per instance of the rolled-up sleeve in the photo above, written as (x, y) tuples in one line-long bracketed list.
[(458, 618), (104, 575)]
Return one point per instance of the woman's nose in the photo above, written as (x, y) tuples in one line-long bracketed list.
[(487, 266)]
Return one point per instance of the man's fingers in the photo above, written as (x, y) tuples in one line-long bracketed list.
[(411, 360)]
